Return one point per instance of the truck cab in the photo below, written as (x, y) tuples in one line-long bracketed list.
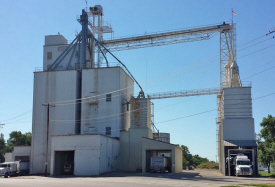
[(242, 165), (14, 168), (7, 168)]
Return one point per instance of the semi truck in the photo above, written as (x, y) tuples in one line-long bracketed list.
[(14, 168), (160, 164), (242, 165)]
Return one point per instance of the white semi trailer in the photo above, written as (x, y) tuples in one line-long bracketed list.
[(242, 165), (160, 164), (14, 168)]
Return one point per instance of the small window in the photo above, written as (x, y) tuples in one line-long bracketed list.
[(76, 54), (108, 130), (49, 55), (108, 97)]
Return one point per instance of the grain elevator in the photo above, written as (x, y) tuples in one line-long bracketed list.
[(85, 115)]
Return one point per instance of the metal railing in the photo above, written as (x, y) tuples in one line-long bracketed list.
[(185, 93)]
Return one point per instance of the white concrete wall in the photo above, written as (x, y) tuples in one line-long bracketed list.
[(55, 44), (52, 87), (126, 91), (8, 157), (131, 148), (97, 113), (87, 162), (21, 151), (108, 155), (94, 154)]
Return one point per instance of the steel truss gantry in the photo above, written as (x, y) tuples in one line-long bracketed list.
[(185, 93), (164, 38)]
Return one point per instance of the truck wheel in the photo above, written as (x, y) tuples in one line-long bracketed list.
[(6, 175)]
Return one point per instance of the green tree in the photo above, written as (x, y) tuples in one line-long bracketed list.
[(197, 160), (186, 156), (266, 153), (18, 139), (2, 150), (267, 147)]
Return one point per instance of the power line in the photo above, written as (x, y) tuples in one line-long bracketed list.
[(202, 112), (164, 76), (185, 76), (211, 110), (17, 116)]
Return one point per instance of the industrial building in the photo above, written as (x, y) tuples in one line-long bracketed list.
[(85, 113), (19, 153)]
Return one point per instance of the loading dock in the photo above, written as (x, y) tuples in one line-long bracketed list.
[(151, 153), (247, 147), (152, 147), (62, 159)]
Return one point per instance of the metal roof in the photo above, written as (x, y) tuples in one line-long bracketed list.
[(239, 143)]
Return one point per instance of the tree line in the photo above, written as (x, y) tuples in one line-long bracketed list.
[(266, 142), (189, 159), (16, 138)]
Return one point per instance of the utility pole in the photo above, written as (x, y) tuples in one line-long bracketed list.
[(47, 135), (1, 126)]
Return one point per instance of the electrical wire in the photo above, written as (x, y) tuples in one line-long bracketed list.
[(175, 72), (168, 74), (174, 119), (18, 116), (211, 110)]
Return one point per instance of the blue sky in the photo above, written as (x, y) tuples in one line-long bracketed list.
[(24, 25)]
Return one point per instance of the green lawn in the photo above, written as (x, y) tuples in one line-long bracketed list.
[(266, 174), (256, 185), (261, 185), (263, 174)]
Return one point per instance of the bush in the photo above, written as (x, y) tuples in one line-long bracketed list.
[(208, 165)]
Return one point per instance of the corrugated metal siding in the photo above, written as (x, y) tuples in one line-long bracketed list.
[(251, 143), (140, 112)]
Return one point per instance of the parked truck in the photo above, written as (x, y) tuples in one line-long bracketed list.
[(160, 164), (242, 165), (14, 168)]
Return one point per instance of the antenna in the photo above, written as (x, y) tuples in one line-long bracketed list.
[(86, 5), (1, 126)]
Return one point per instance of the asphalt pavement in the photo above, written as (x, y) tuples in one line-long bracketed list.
[(193, 178)]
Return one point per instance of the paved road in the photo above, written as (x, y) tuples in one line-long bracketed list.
[(194, 178)]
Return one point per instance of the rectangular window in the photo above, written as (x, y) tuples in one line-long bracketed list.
[(108, 97), (49, 55), (108, 130)]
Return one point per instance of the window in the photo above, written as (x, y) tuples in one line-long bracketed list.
[(108, 130), (49, 55), (108, 97)]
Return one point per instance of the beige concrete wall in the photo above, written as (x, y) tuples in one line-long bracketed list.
[(178, 159)]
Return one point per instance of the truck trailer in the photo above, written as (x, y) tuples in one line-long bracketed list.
[(14, 168), (160, 164)]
